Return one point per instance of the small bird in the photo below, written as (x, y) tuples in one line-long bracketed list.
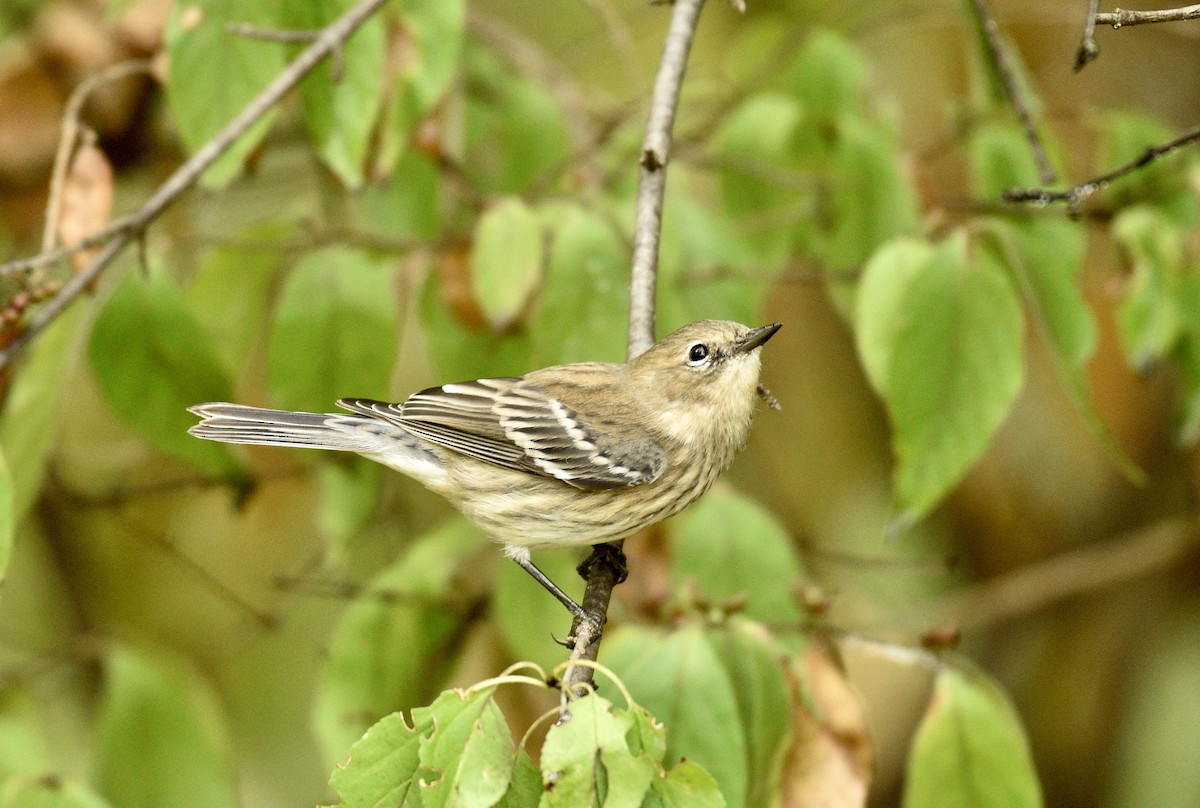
[(568, 455)]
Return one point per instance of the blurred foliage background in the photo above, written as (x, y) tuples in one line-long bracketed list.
[(478, 225)]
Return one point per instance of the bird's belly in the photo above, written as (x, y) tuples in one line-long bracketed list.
[(540, 513)]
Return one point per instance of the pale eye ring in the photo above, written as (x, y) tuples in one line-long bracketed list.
[(697, 353)]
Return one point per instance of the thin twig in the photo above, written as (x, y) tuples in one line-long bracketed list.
[(602, 566), (1120, 17), (1077, 572), (1075, 196), (327, 41), (1088, 49), (995, 48), (69, 137), (289, 36), (652, 177)]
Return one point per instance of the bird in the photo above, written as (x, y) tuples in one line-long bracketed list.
[(569, 455)]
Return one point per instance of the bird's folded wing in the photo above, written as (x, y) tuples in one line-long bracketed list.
[(514, 424)]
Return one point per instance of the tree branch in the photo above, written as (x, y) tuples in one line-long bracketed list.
[(1075, 196), (995, 49), (326, 42), (1121, 18), (604, 568)]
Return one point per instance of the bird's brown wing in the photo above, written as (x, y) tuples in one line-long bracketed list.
[(515, 424)]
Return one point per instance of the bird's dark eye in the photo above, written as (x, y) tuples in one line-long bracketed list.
[(697, 353)]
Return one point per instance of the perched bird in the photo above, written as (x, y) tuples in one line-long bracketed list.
[(569, 455)]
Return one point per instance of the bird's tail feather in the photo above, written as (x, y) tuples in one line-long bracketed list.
[(236, 423)]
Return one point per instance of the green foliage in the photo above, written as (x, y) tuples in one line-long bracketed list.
[(161, 739), (463, 351), (506, 261), (215, 73), (727, 545), (515, 131), (939, 334), (581, 308), (231, 288), (152, 361), (1149, 316), (458, 751), (433, 31), (29, 421), (526, 625), (341, 113), (389, 644), (720, 692), (335, 330), (970, 750)]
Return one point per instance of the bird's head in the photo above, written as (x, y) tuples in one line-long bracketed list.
[(705, 371)]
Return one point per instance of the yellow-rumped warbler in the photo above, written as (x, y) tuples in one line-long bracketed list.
[(565, 456)]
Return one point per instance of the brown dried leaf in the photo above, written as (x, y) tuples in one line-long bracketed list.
[(87, 201), (830, 763)]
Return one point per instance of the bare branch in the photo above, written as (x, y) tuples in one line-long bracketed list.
[(1120, 18), (995, 47), (652, 178), (1078, 572), (1075, 196), (1088, 49), (327, 41), (604, 568)]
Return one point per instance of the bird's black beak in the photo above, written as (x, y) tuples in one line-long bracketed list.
[(757, 337)]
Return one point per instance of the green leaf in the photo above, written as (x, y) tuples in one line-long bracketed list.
[(349, 498), (229, 292), (335, 332), (506, 260), (764, 705), (755, 145), (341, 111), (871, 201), (525, 789), (515, 131), (729, 545), (589, 760), (581, 310), (1187, 356), (687, 785), (47, 792), (1148, 317), (152, 361), (404, 208), (970, 749), (464, 352), (433, 39), (383, 765), (30, 419), (527, 618), (828, 77), (1045, 258), (389, 649), (939, 333), (215, 73), (7, 520), (471, 747), (679, 678), (161, 738)]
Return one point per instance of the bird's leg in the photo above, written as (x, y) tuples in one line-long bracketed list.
[(574, 608), (609, 554)]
